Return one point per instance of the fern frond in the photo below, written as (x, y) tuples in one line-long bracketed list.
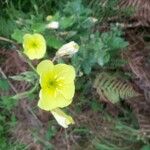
[(116, 63), (142, 10), (112, 88)]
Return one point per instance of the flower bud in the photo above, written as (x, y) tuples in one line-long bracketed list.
[(94, 19), (63, 119), (68, 49), (53, 25), (49, 17)]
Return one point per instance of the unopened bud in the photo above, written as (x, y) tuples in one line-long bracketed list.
[(68, 49), (49, 17), (53, 25)]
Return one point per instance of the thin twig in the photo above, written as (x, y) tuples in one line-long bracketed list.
[(7, 40), (17, 46), (67, 141), (33, 114), (26, 60), (5, 77), (24, 94), (54, 59)]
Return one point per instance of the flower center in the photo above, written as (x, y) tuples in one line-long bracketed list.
[(34, 45), (52, 84)]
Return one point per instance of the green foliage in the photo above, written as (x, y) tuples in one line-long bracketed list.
[(28, 24), (106, 9), (28, 76), (96, 106), (113, 88), (53, 41), (4, 86), (100, 49), (7, 122), (6, 27), (146, 147), (18, 35), (8, 103), (76, 8), (116, 63), (51, 132), (77, 22)]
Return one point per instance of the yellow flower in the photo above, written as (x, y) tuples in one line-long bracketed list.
[(49, 18), (57, 85), (34, 46), (63, 119)]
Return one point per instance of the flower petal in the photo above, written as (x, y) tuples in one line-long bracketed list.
[(65, 72), (63, 119), (34, 46), (44, 66), (67, 90), (50, 99)]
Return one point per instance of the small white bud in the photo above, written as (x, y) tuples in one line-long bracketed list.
[(53, 25), (68, 49), (94, 19)]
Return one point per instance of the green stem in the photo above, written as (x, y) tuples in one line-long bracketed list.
[(27, 61), (5, 77), (25, 94)]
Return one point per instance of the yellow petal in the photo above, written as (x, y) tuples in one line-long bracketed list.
[(34, 46), (67, 90), (44, 66), (50, 99), (63, 119), (65, 72), (47, 77)]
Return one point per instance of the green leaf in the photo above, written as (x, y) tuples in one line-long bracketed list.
[(51, 132), (8, 103), (66, 22), (104, 58), (96, 106), (118, 43), (38, 27), (18, 35), (87, 67), (27, 76), (4, 84), (76, 8), (54, 42), (146, 147)]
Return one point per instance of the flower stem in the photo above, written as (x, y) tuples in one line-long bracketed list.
[(7, 40), (54, 59), (19, 52), (25, 94)]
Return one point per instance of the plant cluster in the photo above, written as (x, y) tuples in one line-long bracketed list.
[(66, 52)]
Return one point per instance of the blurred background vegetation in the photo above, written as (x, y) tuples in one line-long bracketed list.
[(104, 120)]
